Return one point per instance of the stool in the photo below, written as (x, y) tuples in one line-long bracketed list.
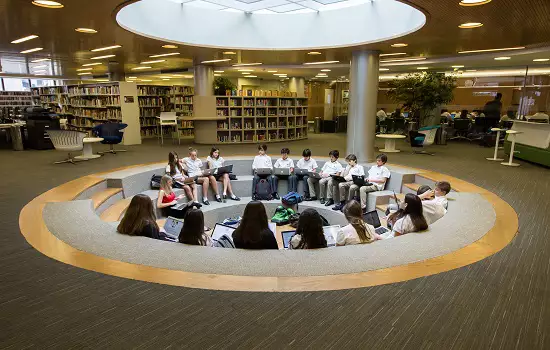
[(168, 119), (498, 130), (512, 136)]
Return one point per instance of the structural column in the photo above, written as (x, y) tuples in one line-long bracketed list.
[(361, 132), (204, 80), (204, 105), (296, 84)]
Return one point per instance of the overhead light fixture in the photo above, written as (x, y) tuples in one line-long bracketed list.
[(473, 2), (471, 70), (166, 79), (322, 62), (165, 54), (145, 80), (325, 70), (182, 76), (218, 71), (457, 66), (245, 73), (399, 45), (470, 25), (156, 61), (541, 60), (86, 30), (141, 68), (246, 64), (131, 78), (383, 69), (503, 58), (214, 61), (493, 50), (40, 60), (422, 68), (20, 40), (404, 59), (102, 80), (313, 53), (48, 4), (217, 75), (169, 46), (251, 76), (40, 71), (86, 73), (83, 69), (272, 71), (279, 74), (245, 70), (393, 54), (106, 48), (41, 66), (32, 50), (229, 53), (91, 64), (101, 57)]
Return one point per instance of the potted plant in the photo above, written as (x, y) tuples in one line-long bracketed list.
[(423, 92), (222, 85)]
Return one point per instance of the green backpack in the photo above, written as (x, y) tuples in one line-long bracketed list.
[(282, 215)]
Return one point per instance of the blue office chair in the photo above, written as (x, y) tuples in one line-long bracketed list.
[(112, 135), (422, 138)]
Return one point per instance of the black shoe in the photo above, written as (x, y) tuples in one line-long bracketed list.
[(309, 199), (205, 202), (235, 198), (224, 198), (322, 201), (197, 205), (276, 196), (218, 198), (357, 199), (329, 203), (338, 206), (254, 197)]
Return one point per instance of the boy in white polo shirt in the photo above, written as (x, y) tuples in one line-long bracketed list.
[(377, 175), (442, 188), (262, 161), (285, 163), (352, 169), (308, 164), (332, 167)]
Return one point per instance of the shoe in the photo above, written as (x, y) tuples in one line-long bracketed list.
[(205, 202), (357, 199), (322, 201), (254, 198), (224, 198), (276, 196), (338, 206), (329, 203), (235, 198), (309, 199), (197, 205), (218, 198)]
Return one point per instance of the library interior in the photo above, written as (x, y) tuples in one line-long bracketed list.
[(275, 174)]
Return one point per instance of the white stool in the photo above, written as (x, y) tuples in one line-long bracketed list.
[(498, 130), (168, 119), (512, 136), (87, 152)]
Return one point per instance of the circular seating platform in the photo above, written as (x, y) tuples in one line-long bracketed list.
[(78, 226)]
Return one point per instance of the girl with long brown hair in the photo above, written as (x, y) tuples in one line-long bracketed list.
[(140, 219), (192, 231), (358, 231), (193, 165), (309, 233), (254, 232), (176, 171)]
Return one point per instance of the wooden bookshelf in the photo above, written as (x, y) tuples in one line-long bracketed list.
[(13, 102)]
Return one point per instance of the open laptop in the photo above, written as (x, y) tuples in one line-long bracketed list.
[(281, 171), (338, 178), (372, 218), (264, 171), (208, 172), (224, 169), (223, 229), (314, 175), (172, 227), (360, 180), (300, 172), (330, 233)]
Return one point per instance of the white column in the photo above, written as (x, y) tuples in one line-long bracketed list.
[(204, 105), (296, 84), (362, 104), (204, 80)]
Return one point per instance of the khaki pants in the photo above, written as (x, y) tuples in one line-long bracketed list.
[(343, 187), (363, 191), (325, 182)]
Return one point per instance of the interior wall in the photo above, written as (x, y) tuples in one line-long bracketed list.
[(316, 104)]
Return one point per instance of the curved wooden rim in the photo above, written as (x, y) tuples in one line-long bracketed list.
[(34, 230)]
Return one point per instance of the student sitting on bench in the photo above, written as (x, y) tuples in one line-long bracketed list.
[(285, 163), (352, 169), (333, 167), (438, 195), (308, 164), (262, 161), (377, 175)]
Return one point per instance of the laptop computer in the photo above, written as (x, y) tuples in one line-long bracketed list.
[(180, 205), (281, 171), (224, 169), (338, 178), (172, 227), (208, 172), (372, 218), (314, 175), (300, 172), (360, 180), (330, 233), (264, 171), (220, 230)]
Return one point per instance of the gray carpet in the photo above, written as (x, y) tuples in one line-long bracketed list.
[(502, 302)]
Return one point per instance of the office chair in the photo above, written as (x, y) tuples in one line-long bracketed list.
[(67, 141), (422, 138), (112, 135), (461, 127)]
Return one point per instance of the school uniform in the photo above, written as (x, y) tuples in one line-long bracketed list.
[(215, 163), (325, 183), (348, 173), (193, 166), (292, 179), (310, 166), (377, 173), (262, 162)]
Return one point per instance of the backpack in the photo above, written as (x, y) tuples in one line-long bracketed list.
[(224, 242), (155, 182), (263, 190), (282, 215), (292, 198), (294, 218)]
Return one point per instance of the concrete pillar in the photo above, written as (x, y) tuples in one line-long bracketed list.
[(296, 84), (362, 104), (204, 106), (204, 80)]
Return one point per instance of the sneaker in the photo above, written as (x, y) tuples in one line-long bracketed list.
[(235, 198), (205, 202), (276, 196), (224, 198), (338, 206), (218, 198), (329, 202), (309, 199), (322, 201)]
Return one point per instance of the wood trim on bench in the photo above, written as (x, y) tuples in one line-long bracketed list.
[(37, 234)]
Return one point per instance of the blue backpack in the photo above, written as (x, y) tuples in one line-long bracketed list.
[(292, 198)]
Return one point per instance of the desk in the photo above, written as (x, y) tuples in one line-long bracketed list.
[(15, 133), (87, 152), (389, 146)]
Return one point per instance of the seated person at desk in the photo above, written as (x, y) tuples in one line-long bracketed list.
[(262, 161), (351, 169), (464, 114), (167, 199), (445, 114), (377, 175), (285, 163), (397, 113), (193, 165), (253, 231), (140, 220), (381, 114), (214, 160), (409, 218), (358, 231), (175, 170), (308, 164), (192, 232), (309, 233), (333, 167)]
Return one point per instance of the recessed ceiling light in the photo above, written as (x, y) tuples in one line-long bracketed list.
[(30, 37), (102, 80), (325, 70), (404, 59), (40, 71), (393, 54), (541, 60), (169, 46), (229, 53), (214, 61), (106, 48), (91, 64), (313, 53), (218, 71), (86, 30), (217, 75), (131, 78), (322, 62), (86, 73), (101, 57), (140, 68), (145, 80), (32, 50), (383, 69), (48, 4), (246, 64), (504, 58), (245, 70), (165, 54), (156, 61), (251, 76), (272, 71), (399, 45), (470, 25), (166, 79), (422, 68), (279, 74), (471, 70), (473, 2), (40, 60), (41, 66), (457, 66), (83, 69), (492, 50)]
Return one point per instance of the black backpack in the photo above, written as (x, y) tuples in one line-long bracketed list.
[(155, 181), (263, 190)]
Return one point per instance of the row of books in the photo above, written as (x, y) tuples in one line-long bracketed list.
[(183, 100), (103, 101), (260, 93), (153, 90), (94, 90), (103, 114)]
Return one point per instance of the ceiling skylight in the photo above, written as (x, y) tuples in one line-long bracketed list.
[(271, 6)]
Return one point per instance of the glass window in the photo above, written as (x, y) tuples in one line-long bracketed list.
[(16, 84)]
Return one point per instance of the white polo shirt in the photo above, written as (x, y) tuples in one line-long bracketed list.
[(193, 166), (357, 170), (441, 200), (310, 165), (379, 173), (216, 163), (432, 211), (331, 168), (284, 163), (262, 162)]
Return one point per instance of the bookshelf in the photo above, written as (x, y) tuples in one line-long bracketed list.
[(12, 102), (246, 119)]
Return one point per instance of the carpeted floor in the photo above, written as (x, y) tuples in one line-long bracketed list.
[(502, 302)]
